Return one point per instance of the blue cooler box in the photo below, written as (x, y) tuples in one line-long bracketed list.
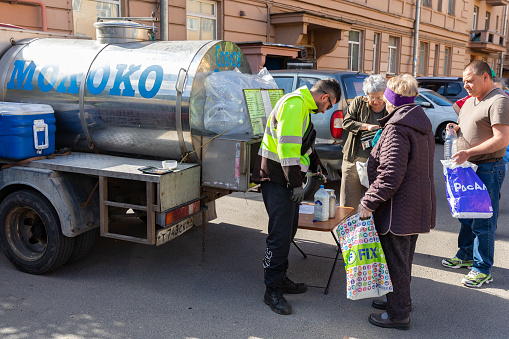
[(26, 130)]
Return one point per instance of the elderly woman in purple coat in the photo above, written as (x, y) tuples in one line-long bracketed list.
[(401, 194)]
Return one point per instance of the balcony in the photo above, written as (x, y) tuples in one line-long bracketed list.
[(486, 41), (497, 2)]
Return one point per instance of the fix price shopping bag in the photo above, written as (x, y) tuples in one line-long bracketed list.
[(466, 193), (367, 273)]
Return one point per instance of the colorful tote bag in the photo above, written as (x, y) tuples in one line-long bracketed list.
[(367, 273)]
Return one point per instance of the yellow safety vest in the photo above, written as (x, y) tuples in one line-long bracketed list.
[(287, 124)]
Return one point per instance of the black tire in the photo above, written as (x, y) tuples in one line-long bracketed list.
[(30, 233), (83, 243), (310, 186), (441, 133)]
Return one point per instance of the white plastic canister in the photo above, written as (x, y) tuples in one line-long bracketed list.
[(321, 204)]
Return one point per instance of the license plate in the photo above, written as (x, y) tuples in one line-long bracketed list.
[(166, 234)]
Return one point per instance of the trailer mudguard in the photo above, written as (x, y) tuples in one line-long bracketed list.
[(68, 193)]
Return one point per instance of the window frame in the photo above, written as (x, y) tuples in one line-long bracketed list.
[(447, 61), (351, 45), (214, 17), (487, 20), (77, 6), (451, 8), (393, 52), (424, 58), (375, 66), (475, 18), (436, 61)]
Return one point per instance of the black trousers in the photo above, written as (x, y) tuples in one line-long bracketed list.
[(399, 253), (283, 219)]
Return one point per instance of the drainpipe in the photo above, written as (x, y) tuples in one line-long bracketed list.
[(267, 38), (35, 2), (505, 39), (416, 36), (164, 20)]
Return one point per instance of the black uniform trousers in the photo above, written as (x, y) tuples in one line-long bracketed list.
[(283, 220), (399, 253)]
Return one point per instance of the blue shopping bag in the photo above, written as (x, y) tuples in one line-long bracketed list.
[(467, 195)]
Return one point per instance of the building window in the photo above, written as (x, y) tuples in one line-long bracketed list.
[(376, 54), (451, 8), (354, 47), (393, 55), (86, 12), (487, 21), (436, 62), (447, 61), (201, 20), (423, 58), (439, 5), (476, 15), (426, 3)]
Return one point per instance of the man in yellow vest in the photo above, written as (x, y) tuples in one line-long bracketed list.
[(286, 154)]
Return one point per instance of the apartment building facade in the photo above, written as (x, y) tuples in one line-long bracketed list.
[(372, 36)]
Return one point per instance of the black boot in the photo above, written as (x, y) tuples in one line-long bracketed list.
[(274, 298), (380, 303), (383, 320), (293, 288)]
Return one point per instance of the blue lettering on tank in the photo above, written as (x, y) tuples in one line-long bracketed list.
[(124, 78), (41, 79), (21, 74), (217, 62), (142, 83), (73, 86), (227, 59), (90, 80)]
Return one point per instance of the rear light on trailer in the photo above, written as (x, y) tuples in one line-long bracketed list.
[(182, 212), (336, 124)]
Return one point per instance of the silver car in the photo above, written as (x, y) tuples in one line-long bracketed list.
[(328, 126), (438, 109)]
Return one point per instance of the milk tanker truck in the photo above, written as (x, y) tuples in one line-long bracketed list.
[(120, 105)]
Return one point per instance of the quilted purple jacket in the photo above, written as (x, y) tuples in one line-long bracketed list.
[(401, 194)]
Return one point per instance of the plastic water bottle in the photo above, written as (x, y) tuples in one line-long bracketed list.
[(450, 143), (321, 204)]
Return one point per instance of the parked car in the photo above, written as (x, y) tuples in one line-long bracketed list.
[(438, 109), (328, 126), (449, 87)]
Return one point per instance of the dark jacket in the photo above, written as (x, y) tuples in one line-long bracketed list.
[(400, 172)]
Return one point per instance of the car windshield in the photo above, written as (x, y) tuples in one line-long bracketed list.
[(353, 85), (436, 98)]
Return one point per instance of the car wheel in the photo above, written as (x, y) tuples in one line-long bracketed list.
[(441, 133), (310, 186), (30, 233)]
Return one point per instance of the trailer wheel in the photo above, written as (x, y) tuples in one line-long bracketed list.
[(82, 245), (30, 233)]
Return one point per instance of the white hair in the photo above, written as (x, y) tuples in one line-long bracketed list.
[(374, 84)]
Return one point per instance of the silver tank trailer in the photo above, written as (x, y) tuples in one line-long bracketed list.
[(137, 98)]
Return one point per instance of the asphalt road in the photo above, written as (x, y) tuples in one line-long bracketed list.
[(126, 290)]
